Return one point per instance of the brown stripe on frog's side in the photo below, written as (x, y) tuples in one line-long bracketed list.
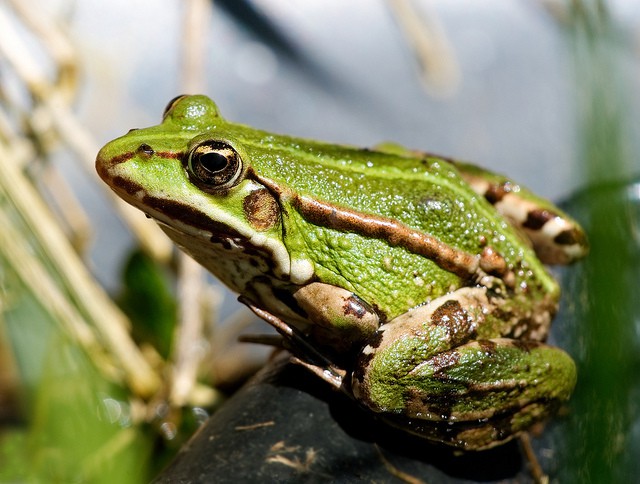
[(261, 209), (465, 265), (461, 263)]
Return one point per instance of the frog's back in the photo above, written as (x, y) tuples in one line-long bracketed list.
[(424, 194)]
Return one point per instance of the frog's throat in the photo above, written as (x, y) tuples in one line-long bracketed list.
[(465, 265), (203, 227)]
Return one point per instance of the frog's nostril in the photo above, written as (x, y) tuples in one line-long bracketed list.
[(145, 149)]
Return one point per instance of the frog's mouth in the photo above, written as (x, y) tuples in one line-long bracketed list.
[(185, 218)]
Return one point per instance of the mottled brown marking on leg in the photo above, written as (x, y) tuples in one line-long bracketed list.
[(442, 361), (452, 316), (354, 306), (571, 237), (537, 218), (487, 346), (376, 340), (525, 345), (497, 191)]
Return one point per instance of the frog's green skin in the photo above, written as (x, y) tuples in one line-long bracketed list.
[(412, 276)]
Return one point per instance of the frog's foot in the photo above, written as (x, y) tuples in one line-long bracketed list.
[(430, 375)]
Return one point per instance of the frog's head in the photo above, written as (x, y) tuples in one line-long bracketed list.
[(192, 174)]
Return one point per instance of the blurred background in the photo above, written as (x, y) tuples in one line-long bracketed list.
[(96, 309)]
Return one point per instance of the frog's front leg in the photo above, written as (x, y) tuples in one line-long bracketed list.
[(429, 373)]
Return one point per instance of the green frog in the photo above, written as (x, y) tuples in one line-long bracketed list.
[(412, 282)]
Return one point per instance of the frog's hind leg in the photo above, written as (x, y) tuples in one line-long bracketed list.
[(429, 372), (556, 237)]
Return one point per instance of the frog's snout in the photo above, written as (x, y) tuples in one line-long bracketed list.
[(106, 161), (103, 165)]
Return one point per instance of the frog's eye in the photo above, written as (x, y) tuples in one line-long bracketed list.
[(214, 165), (172, 103)]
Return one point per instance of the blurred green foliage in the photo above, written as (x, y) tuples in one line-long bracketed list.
[(603, 433), (147, 298), (72, 424)]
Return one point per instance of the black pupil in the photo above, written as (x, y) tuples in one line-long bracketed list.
[(213, 162)]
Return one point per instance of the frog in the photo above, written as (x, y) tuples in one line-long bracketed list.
[(414, 283)]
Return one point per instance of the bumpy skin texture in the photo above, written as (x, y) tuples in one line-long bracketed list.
[(422, 264), (428, 366)]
